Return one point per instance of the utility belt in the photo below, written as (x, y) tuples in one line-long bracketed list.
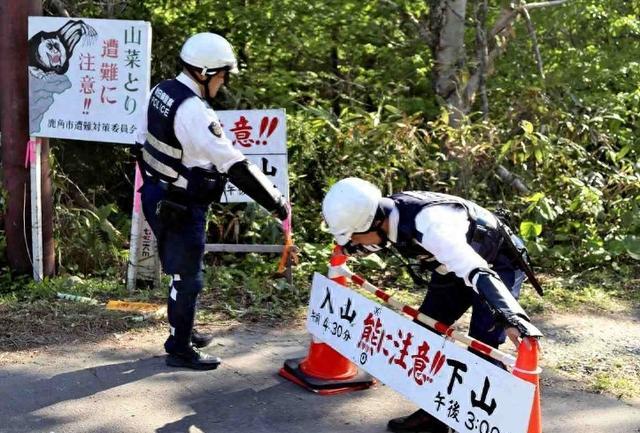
[(206, 186), (203, 188)]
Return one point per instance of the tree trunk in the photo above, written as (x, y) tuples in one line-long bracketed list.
[(447, 19), (14, 126)]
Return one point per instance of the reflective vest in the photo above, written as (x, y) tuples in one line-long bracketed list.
[(162, 152), (483, 235)]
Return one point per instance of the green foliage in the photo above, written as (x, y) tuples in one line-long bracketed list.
[(355, 79), (88, 244), (23, 288), (247, 288), (598, 289), (576, 138)]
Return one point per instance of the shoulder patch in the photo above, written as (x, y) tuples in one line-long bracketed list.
[(215, 129)]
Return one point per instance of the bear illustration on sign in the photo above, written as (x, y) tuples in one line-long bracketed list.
[(49, 52), (49, 56)]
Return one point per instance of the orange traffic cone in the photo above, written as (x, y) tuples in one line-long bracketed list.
[(527, 369), (324, 370)]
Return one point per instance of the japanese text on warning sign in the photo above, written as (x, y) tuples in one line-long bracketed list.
[(261, 135), (462, 390)]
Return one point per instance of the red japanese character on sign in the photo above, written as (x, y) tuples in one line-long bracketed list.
[(86, 85), (242, 131), (420, 362), (109, 72), (110, 48), (86, 105), (438, 362), (272, 124), (104, 98), (399, 360), (87, 62), (372, 334)]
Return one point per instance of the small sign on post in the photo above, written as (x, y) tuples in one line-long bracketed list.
[(261, 135), (459, 388)]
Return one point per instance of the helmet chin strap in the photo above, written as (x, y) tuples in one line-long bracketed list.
[(382, 213), (370, 248), (385, 206), (193, 71), (205, 82)]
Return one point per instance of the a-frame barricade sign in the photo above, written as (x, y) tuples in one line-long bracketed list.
[(464, 391)]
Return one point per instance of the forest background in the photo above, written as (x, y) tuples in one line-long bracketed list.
[(531, 107)]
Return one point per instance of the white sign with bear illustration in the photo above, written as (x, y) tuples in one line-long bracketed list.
[(88, 78)]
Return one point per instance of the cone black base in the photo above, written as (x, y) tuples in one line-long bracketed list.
[(291, 371)]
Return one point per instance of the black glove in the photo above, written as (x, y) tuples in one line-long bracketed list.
[(253, 182), (282, 211), (502, 303)]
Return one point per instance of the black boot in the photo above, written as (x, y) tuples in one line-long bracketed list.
[(192, 358), (200, 340), (419, 421)]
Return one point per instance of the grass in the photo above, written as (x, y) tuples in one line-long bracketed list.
[(33, 315), (619, 375), (598, 290), (599, 366), (617, 382), (43, 322)]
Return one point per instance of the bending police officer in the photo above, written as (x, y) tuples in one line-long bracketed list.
[(186, 160), (460, 244)]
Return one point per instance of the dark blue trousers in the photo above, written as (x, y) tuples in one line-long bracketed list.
[(181, 250), (448, 298)]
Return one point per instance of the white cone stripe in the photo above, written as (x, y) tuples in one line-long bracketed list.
[(172, 330), (173, 294)]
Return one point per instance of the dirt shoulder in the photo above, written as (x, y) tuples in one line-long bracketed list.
[(597, 352)]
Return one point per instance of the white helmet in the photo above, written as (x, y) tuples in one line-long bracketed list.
[(210, 52), (350, 207)]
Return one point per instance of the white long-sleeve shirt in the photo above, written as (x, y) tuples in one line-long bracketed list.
[(444, 234), (200, 146)]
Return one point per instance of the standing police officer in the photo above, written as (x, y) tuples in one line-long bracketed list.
[(186, 160), (466, 248)]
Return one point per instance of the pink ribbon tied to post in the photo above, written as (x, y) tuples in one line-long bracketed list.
[(30, 155), (286, 224), (137, 197)]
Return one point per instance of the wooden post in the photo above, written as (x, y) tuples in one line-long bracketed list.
[(14, 124)]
